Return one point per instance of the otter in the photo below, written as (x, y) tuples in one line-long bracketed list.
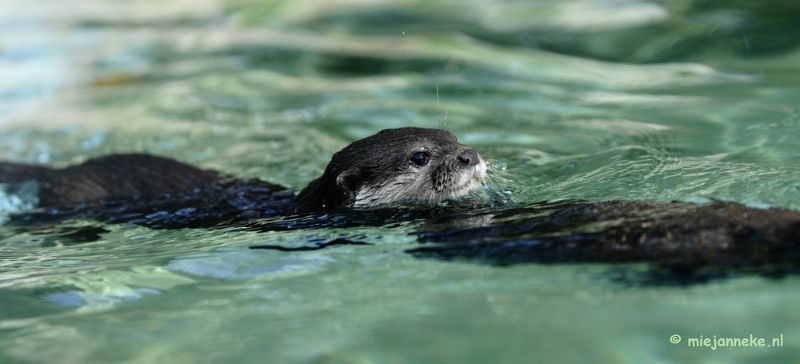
[(396, 166), (412, 166), (404, 174)]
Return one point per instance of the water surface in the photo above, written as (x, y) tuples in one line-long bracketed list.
[(660, 101)]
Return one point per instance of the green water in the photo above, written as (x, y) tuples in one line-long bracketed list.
[(618, 99)]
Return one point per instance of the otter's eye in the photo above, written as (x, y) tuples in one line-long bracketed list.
[(421, 159)]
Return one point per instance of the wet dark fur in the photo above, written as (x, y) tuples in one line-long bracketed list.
[(109, 177), (362, 164), (686, 243)]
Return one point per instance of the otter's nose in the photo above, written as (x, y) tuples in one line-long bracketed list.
[(469, 157)]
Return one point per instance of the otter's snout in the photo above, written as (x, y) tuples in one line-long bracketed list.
[(469, 157)]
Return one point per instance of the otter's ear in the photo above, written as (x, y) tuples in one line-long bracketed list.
[(348, 180)]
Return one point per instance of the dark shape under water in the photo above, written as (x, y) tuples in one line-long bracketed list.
[(334, 242), (681, 242)]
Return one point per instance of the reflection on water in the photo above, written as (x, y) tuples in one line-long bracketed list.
[(660, 101)]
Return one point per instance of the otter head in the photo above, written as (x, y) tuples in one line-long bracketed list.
[(396, 166)]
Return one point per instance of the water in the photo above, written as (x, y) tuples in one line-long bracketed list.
[(661, 101)]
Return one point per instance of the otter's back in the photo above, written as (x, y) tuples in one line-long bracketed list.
[(109, 177)]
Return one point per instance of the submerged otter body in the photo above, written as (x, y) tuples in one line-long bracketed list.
[(399, 175)]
